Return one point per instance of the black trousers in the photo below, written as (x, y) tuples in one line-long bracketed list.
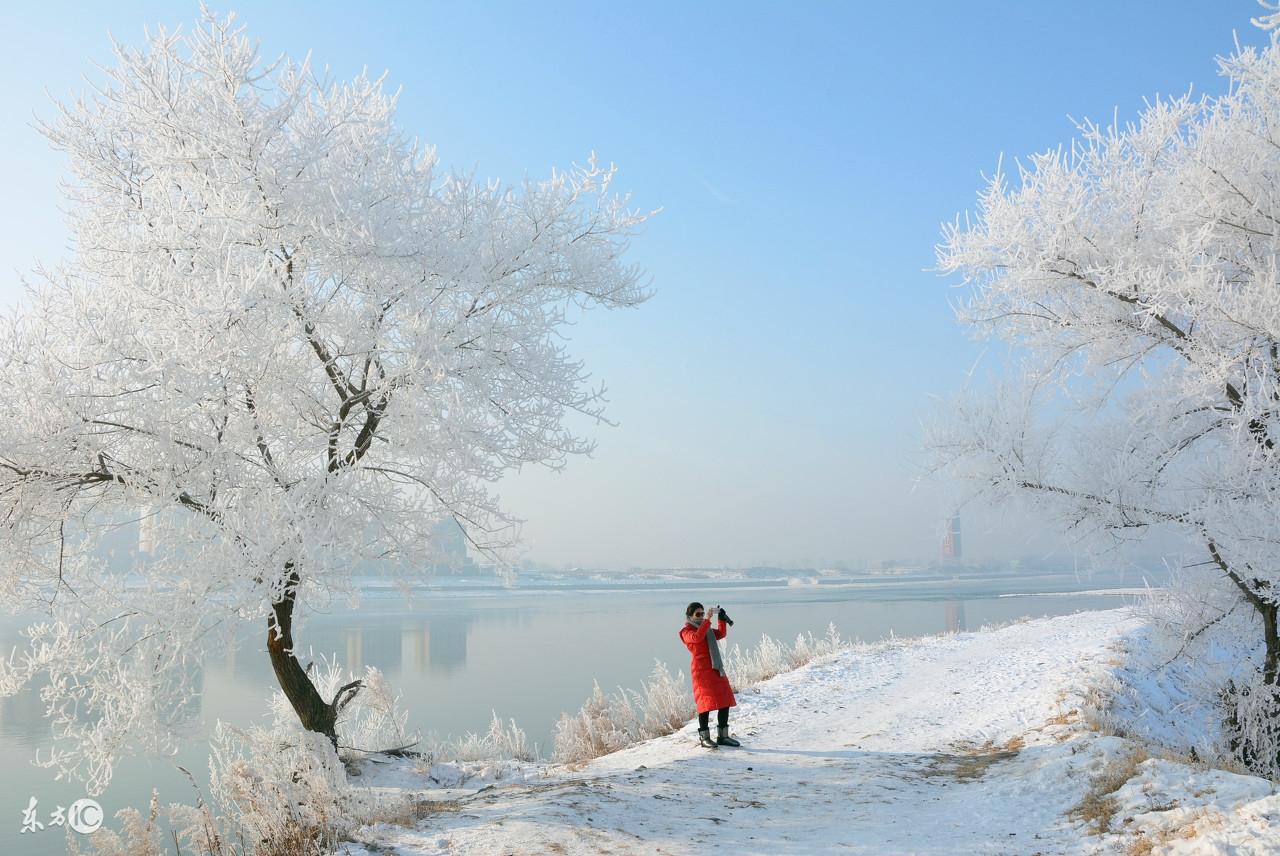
[(722, 718)]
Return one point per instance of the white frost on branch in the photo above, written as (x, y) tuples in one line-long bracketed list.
[(1269, 21), (293, 341)]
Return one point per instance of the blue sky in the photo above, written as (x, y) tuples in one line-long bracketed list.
[(770, 396)]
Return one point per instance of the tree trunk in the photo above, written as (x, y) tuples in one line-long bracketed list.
[(1260, 596), (1271, 663), (313, 711)]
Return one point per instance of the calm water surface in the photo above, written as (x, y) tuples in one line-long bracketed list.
[(459, 656)]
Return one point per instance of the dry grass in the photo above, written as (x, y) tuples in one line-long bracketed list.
[(1145, 842), (1143, 845), (1098, 807), (1095, 713), (1096, 811), (409, 811), (1070, 717), (973, 762), (967, 768)]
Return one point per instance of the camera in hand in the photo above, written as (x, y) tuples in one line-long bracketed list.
[(725, 616)]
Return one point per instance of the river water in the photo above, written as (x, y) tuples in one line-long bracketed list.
[(458, 655)]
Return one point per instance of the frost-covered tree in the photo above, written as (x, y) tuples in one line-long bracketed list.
[(291, 345), (1138, 276)]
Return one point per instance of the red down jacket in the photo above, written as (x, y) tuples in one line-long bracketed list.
[(711, 690)]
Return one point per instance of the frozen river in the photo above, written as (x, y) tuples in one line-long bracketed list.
[(527, 654)]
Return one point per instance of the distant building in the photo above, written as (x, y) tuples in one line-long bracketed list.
[(951, 541), (449, 549)]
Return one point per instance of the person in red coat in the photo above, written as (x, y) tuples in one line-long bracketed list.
[(711, 690)]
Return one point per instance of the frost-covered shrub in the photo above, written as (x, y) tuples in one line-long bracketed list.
[(281, 790), (808, 648), (277, 792), (770, 657), (504, 741), (138, 835), (509, 740), (664, 702), (604, 724), (662, 705)]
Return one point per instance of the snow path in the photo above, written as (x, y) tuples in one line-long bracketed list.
[(898, 748)]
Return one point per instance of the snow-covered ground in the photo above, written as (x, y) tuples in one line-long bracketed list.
[(965, 744)]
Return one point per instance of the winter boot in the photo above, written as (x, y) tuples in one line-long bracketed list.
[(704, 738), (723, 738)]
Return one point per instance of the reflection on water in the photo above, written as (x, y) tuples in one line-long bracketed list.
[(415, 643), (22, 717), (457, 659), (446, 644)]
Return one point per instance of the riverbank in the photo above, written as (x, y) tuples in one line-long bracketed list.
[(959, 744)]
